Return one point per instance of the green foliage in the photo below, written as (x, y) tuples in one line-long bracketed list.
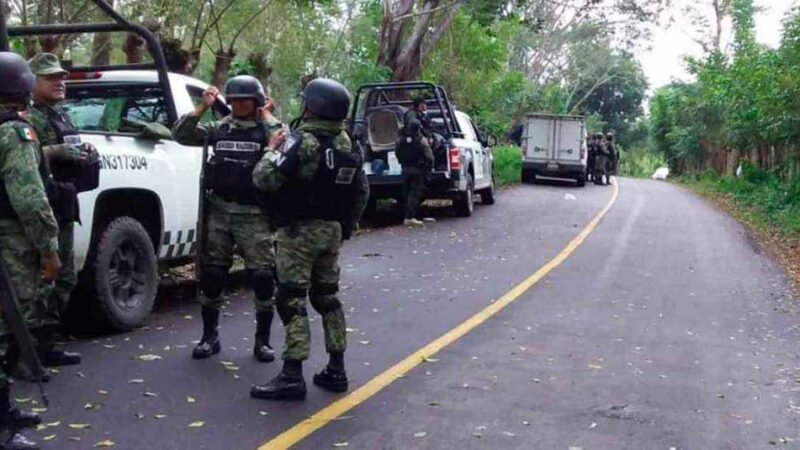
[(639, 162), (764, 198), (507, 165)]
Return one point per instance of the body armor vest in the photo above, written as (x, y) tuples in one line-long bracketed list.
[(330, 194), (229, 172)]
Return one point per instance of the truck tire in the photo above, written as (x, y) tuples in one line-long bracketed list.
[(464, 203), (125, 275), (487, 195)]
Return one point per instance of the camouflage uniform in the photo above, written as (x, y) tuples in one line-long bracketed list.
[(229, 223), (414, 172), (34, 231), (601, 164), (308, 251), (54, 304)]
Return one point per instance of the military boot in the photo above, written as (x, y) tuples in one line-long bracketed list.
[(24, 419), (333, 377), (209, 344), (50, 354), (262, 351), (10, 438), (288, 385)]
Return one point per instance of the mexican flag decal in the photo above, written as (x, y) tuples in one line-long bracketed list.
[(26, 134)]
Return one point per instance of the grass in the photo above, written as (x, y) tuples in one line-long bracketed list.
[(763, 202), (640, 163), (507, 165)]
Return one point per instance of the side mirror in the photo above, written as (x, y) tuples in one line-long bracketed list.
[(491, 141)]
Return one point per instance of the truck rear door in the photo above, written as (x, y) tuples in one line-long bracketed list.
[(539, 139), (569, 141)]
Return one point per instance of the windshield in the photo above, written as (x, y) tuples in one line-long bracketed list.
[(115, 109)]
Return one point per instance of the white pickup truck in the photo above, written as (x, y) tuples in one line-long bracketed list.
[(144, 212)]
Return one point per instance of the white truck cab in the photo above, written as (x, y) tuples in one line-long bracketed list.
[(144, 212)]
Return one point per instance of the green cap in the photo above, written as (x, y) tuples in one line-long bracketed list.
[(46, 64)]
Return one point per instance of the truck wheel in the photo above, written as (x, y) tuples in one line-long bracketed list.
[(487, 195), (125, 274), (464, 203)]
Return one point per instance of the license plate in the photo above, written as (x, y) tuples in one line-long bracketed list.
[(552, 166)]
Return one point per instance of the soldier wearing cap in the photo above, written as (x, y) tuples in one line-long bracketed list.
[(75, 168)]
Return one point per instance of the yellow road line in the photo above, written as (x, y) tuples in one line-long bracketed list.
[(322, 417)]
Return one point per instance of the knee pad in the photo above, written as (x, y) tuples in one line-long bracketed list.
[(288, 312), (323, 298), (261, 281), (287, 291), (213, 281)]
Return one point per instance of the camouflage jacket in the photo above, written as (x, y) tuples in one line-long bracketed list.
[(189, 131), (19, 172), (267, 177)]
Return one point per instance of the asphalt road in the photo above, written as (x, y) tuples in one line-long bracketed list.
[(668, 328)]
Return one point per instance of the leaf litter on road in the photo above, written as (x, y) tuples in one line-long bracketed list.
[(197, 424)]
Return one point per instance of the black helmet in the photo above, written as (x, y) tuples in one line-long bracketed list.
[(412, 127), (16, 74), (610, 136), (245, 86), (326, 98)]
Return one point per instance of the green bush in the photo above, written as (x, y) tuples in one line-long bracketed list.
[(640, 163), (507, 165)]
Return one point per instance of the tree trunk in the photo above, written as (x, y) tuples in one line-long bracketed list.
[(101, 49), (222, 65), (178, 59), (134, 45), (261, 68)]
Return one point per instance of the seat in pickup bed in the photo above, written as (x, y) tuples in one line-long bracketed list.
[(383, 126)]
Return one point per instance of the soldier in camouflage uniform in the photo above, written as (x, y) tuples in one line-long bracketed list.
[(67, 158), (235, 213), (320, 191), (28, 228), (601, 161)]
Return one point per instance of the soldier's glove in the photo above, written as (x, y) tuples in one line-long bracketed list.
[(89, 153), (62, 152)]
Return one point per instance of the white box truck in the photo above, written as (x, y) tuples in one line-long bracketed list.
[(554, 146)]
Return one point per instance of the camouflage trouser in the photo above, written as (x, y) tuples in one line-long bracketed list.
[(67, 278), (22, 261), (307, 263), (251, 234), (601, 167), (413, 188)]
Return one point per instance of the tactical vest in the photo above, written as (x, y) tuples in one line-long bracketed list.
[(330, 194), (229, 172), (410, 151), (6, 210)]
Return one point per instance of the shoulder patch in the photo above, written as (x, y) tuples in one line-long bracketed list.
[(26, 133)]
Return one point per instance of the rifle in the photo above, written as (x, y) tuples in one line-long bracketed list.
[(9, 307), (201, 217)]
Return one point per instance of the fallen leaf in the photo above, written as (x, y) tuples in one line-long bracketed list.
[(160, 416), (150, 394), (509, 434), (80, 375), (74, 439), (49, 437), (420, 434), (102, 392), (53, 424), (340, 444), (593, 426), (148, 357), (106, 443), (39, 410), (22, 400), (364, 342), (197, 424), (136, 381), (92, 406), (139, 416), (595, 366), (79, 426), (190, 399), (429, 360), (187, 317)]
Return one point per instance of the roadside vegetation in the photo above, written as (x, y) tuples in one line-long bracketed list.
[(507, 165), (741, 115)]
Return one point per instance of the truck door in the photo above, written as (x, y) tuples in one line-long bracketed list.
[(474, 147), (569, 141), (539, 138)]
